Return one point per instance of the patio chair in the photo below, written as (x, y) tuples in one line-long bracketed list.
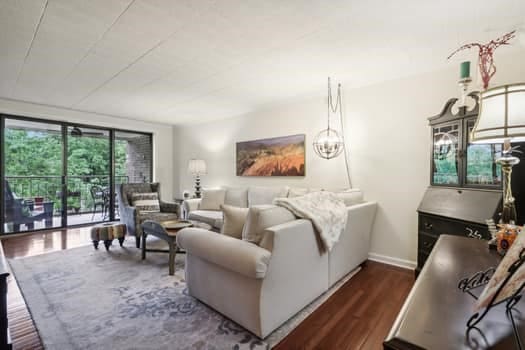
[(132, 217), (100, 199), (19, 212)]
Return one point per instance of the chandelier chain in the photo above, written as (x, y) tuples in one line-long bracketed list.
[(330, 103)]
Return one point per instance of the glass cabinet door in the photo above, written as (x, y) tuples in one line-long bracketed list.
[(481, 167), (446, 142)]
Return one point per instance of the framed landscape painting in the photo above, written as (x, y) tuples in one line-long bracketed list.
[(278, 156)]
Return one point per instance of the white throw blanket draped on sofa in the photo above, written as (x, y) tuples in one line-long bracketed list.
[(326, 211)]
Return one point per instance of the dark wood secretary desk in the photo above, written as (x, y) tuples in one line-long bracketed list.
[(435, 313)]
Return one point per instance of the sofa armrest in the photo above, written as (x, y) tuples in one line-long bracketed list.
[(191, 204), (230, 253), (293, 233), (359, 223), (166, 207)]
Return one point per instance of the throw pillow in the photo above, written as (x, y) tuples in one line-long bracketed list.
[(212, 199), (233, 220), (146, 202), (237, 197), (260, 218)]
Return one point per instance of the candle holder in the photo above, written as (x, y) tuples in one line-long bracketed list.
[(463, 89)]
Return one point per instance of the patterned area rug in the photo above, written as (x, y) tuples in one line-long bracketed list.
[(92, 299)]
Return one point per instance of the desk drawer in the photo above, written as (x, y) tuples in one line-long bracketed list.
[(436, 226), (426, 242)]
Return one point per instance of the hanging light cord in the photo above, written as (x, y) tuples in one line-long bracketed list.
[(339, 105), (347, 163)]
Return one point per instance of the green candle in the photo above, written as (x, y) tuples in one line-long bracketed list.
[(464, 70)]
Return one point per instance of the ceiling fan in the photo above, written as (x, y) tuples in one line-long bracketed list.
[(76, 131)]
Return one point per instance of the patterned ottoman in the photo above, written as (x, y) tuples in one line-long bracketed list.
[(107, 232)]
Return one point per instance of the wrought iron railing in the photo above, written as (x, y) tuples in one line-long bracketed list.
[(49, 188)]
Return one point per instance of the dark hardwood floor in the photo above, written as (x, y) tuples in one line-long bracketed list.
[(357, 316)]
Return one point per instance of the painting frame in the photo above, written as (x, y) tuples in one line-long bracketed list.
[(279, 156)]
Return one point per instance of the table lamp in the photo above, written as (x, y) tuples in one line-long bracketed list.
[(502, 120), (197, 167)]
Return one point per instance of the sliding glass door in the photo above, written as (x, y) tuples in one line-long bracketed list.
[(88, 175), (33, 182), (58, 174)]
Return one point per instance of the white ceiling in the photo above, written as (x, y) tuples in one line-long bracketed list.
[(180, 61)]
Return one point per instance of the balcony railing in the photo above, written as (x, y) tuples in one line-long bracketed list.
[(49, 188)]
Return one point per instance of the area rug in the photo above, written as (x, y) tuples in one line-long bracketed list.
[(83, 298)]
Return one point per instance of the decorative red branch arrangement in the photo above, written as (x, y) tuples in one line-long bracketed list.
[(486, 55)]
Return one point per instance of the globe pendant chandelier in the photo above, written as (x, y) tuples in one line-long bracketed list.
[(328, 143)]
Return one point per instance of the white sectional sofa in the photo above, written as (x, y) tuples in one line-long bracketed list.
[(244, 198), (235, 196), (260, 286)]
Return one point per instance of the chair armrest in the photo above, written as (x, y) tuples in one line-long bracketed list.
[(128, 210), (166, 207), (230, 253), (191, 204)]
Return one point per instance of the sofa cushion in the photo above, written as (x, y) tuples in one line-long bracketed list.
[(237, 197), (351, 197), (146, 202), (212, 199), (297, 192), (265, 195), (157, 216), (128, 189), (211, 217), (260, 218), (233, 220)]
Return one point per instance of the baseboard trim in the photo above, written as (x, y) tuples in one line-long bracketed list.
[(406, 264)]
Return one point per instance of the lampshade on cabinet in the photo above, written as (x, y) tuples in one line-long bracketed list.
[(501, 115)]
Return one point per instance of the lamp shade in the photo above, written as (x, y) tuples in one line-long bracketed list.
[(197, 167), (501, 115)]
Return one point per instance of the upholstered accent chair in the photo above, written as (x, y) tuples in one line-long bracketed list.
[(133, 217)]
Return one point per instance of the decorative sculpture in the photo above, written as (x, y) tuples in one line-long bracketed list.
[(486, 65)]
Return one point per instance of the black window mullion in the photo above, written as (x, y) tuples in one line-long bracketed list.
[(111, 175), (2, 174), (64, 182)]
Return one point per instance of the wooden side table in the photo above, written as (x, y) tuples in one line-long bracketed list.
[(159, 230)]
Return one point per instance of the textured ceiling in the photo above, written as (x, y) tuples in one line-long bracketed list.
[(181, 61)]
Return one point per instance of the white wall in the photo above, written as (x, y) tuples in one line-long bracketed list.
[(162, 134), (387, 136)]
